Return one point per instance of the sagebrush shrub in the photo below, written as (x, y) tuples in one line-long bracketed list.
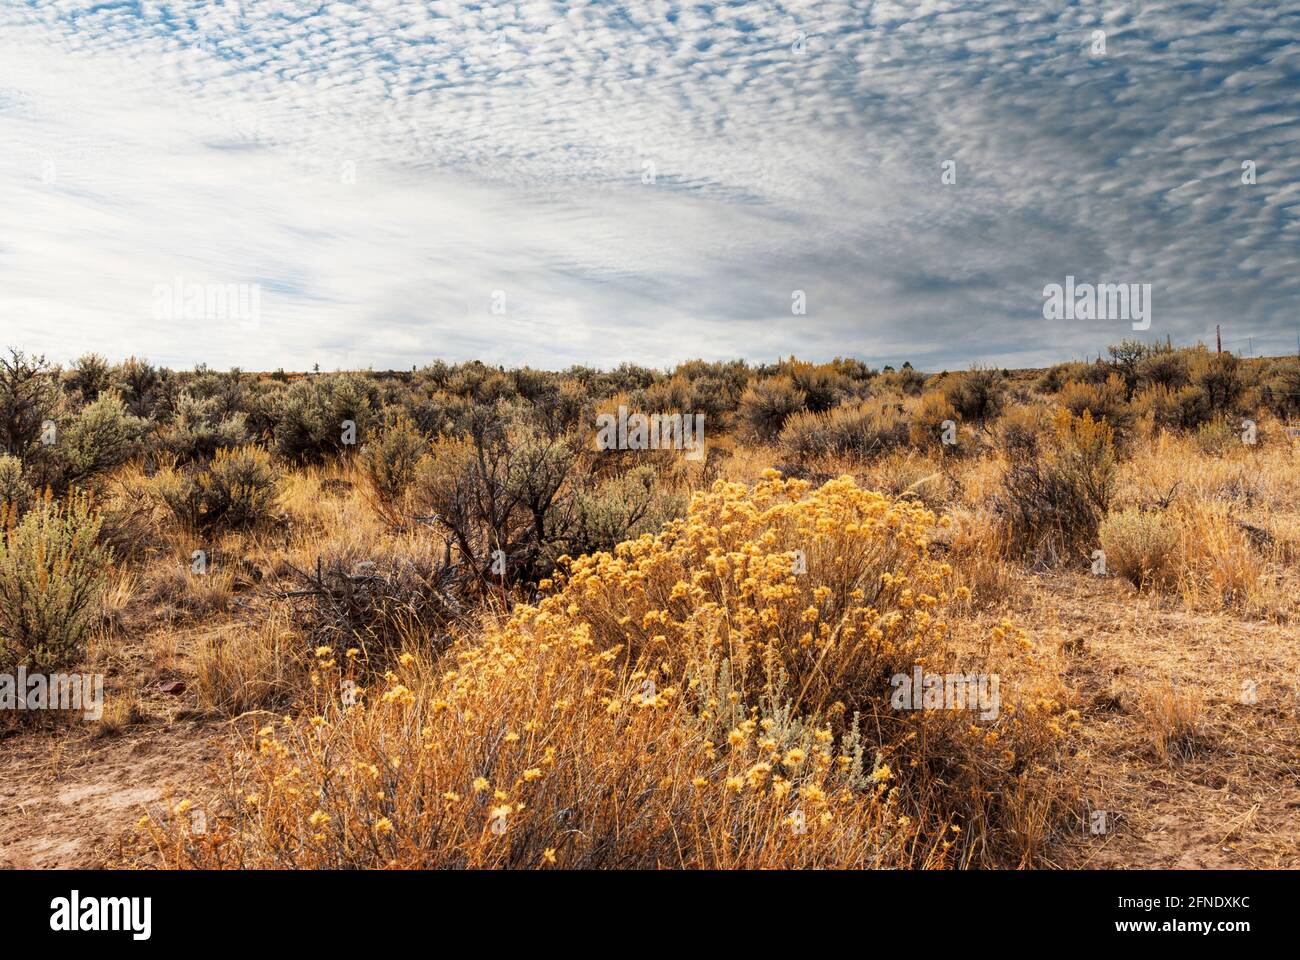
[(1106, 401), (1221, 381), (103, 435), (1215, 437), (502, 493), (1140, 546), (89, 377), (1058, 375), (15, 491), (1052, 505), (767, 404), (820, 385), (310, 416), (142, 385), (441, 414), (1281, 390), (978, 395), (239, 487), (1125, 359), (236, 489), (1164, 368), (906, 380), (29, 395), (860, 430), (622, 508), (52, 573), (929, 415), (1021, 431), (389, 461), (1169, 407), (200, 427)]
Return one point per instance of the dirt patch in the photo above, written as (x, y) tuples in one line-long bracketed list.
[(65, 797), (1233, 801)]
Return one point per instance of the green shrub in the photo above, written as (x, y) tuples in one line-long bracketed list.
[(672, 395), (1057, 376), (389, 460), (1125, 357), (557, 409), (622, 508), (819, 385), (441, 414), (1161, 404), (1140, 546), (263, 401), (143, 386), (101, 436), (1216, 437), (305, 431), (1281, 390), (1221, 382), (707, 395), (853, 369), (29, 395), (237, 489), (89, 377), (503, 494), (1165, 368), (310, 416), (52, 574), (200, 428), (906, 381), (1021, 430)]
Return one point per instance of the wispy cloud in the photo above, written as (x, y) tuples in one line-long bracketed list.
[(388, 171)]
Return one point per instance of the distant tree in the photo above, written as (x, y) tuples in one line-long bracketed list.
[(29, 395), (1125, 357)]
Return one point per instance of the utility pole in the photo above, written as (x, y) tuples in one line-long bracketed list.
[(1218, 340)]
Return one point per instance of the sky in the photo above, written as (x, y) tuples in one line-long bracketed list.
[(547, 184)]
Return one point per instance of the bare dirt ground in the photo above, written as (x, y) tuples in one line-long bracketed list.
[(1229, 799), (68, 791), (1232, 800), (65, 799)]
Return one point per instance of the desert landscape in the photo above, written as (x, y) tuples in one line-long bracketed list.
[(486, 617)]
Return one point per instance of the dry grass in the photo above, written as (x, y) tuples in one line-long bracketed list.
[(1172, 719), (121, 710), (698, 699), (239, 669)]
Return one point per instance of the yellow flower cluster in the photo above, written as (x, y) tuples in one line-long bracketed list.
[(814, 590)]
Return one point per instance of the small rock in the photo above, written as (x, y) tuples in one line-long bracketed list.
[(174, 687)]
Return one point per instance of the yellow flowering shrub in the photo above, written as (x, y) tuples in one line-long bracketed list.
[(716, 695)]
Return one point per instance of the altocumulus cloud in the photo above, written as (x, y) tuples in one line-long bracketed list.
[(388, 171)]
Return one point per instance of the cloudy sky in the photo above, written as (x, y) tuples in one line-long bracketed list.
[(551, 183)]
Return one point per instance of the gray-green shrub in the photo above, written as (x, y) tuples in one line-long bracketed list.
[(52, 574)]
